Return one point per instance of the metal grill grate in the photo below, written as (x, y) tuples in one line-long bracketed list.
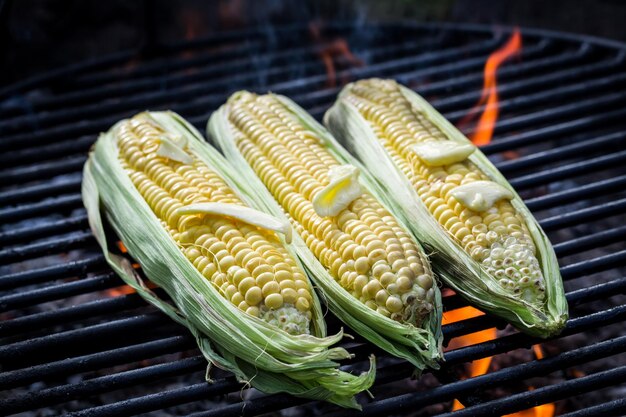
[(67, 343)]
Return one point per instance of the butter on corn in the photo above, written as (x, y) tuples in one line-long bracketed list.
[(189, 220), (488, 246), (373, 274)]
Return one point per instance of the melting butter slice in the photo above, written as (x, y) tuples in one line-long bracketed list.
[(242, 213), (480, 195), (343, 189), (172, 147), (443, 152)]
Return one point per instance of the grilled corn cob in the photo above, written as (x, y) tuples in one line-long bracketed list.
[(459, 204), (358, 246), (191, 224)]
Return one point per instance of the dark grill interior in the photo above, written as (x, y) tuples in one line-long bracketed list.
[(72, 341)]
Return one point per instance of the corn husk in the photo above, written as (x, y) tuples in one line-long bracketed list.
[(258, 353), (420, 346), (451, 262)]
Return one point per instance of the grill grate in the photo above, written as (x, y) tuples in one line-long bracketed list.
[(68, 344)]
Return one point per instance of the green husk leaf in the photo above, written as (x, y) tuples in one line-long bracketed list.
[(450, 261), (420, 346), (258, 353)]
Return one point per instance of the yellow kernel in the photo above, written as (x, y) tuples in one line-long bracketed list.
[(237, 298), (381, 297), (287, 284), (254, 296), (388, 278), (246, 284), (348, 251), (359, 252), (209, 270), (404, 283), (202, 263), (399, 264), (271, 287), (226, 262), (289, 295), (425, 281), (282, 266), (274, 301), (372, 288), (239, 275), (261, 269), (394, 304), (243, 306), (300, 284), (380, 268), (405, 271), (219, 279), (283, 275), (377, 255), (394, 256), (192, 253), (383, 311), (305, 293), (361, 265), (264, 278), (302, 304), (360, 282), (253, 311), (230, 291)]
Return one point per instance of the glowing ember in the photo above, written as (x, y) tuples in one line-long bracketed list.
[(489, 96)]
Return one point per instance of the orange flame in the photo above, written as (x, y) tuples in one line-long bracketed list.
[(123, 289), (481, 366), (489, 96), (330, 51)]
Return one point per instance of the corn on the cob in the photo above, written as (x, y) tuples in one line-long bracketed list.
[(192, 226), (247, 265), (452, 186), (359, 244)]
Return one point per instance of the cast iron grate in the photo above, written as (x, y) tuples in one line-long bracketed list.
[(71, 341)]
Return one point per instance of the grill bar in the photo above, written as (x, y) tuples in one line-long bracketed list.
[(546, 394), (67, 315), (561, 106), (25, 299), (463, 355), (36, 276), (77, 240), (127, 354), (103, 384), (613, 408)]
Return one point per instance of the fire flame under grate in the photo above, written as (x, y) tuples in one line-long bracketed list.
[(72, 340)]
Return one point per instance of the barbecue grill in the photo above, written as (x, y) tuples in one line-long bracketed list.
[(73, 340)]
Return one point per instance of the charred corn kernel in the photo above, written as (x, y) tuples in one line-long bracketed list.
[(443, 177), (236, 257), (350, 232)]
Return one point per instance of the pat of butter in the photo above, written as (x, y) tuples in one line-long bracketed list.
[(173, 147), (480, 195), (343, 189), (443, 152)]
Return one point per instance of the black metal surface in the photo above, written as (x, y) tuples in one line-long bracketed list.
[(68, 344)]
